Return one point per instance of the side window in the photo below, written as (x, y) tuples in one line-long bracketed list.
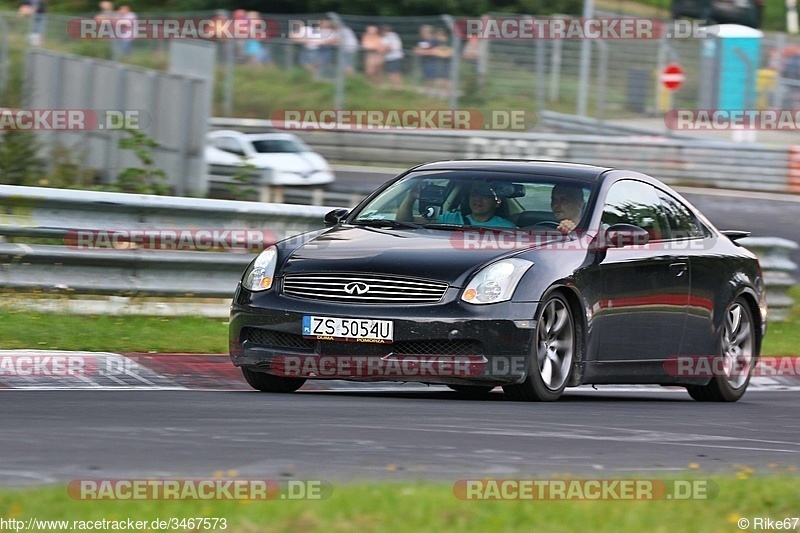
[(229, 144), (682, 222), (637, 203)]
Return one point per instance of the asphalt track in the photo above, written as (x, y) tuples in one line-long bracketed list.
[(363, 431), (56, 436)]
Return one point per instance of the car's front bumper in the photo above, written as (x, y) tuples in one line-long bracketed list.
[(447, 343)]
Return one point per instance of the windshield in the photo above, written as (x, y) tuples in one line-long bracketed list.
[(459, 198), (273, 146)]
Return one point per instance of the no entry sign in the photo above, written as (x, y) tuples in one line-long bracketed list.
[(672, 77)]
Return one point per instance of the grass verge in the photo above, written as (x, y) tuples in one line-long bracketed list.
[(783, 338), (411, 506), (52, 331)]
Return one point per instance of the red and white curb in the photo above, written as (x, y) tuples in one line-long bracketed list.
[(55, 369)]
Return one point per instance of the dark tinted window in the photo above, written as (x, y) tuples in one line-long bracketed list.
[(279, 146), (637, 203), (682, 223)]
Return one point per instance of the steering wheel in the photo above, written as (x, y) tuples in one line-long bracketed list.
[(548, 223)]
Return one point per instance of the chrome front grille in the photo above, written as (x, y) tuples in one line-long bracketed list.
[(349, 288)]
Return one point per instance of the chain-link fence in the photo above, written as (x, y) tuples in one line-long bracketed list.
[(420, 62)]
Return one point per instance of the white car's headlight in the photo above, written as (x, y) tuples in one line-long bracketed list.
[(261, 273), (496, 282)]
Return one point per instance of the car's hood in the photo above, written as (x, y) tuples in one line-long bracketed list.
[(294, 162), (423, 253)]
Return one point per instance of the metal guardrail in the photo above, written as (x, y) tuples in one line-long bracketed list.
[(135, 271), (223, 177), (67, 267), (773, 254), (675, 161)]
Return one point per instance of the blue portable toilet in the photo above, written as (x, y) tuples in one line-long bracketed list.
[(731, 56)]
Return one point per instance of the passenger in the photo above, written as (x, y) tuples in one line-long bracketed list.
[(483, 204)]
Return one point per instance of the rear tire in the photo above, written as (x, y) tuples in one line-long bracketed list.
[(554, 350), (269, 383), (738, 356)]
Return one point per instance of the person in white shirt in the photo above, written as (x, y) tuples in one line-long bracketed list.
[(392, 55)]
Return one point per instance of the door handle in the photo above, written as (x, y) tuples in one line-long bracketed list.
[(679, 268)]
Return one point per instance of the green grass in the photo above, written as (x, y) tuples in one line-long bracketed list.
[(410, 506), (50, 331), (783, 338)]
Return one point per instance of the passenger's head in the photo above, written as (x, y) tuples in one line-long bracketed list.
[(566, 202), (483, 201)]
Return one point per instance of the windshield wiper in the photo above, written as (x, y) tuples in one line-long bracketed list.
[(385, 223), (441, 225)]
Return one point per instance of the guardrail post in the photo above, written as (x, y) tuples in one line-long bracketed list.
[(773, 254), (338, 98)]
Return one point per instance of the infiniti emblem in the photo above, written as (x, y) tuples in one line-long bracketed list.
[(356, 287)]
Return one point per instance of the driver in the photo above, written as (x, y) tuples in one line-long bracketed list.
[(566, 203)]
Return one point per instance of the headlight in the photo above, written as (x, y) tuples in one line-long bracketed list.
[(496, 282), (261, 272)]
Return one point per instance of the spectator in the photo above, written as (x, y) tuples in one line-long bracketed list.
[(126, 30), (471, 56), (373, 54), (36, 10), (256, 52), (426, 50), (393, 56), (328, 43), (472, 49), (790, 75), (349, 43), (444, 53), (106, 11), (307, 37), (240, 46)]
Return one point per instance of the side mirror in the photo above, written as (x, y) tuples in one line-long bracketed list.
[(620, 235), (335, 217)]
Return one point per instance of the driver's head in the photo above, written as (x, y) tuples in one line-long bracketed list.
[(566, 202)]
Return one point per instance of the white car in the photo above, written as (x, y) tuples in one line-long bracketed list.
[(289, 159)]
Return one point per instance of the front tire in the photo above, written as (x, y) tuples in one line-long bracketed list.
[(269, 383), (555, 348), (739, 352)]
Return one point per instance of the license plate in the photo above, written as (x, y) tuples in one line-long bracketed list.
[(348, 329)]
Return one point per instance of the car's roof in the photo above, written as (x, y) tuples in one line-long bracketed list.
[(522, 166)]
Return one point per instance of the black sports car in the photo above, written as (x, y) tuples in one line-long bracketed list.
[(529, 275)]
